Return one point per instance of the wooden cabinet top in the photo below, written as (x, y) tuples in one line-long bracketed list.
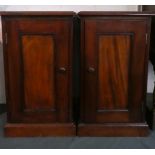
[(116, 13), (72, 13), (37, 13)]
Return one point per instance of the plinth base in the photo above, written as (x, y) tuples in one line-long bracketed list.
[(114, 129), (39, 130)]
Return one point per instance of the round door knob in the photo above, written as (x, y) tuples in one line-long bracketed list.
[(62, 69), (91, 69)]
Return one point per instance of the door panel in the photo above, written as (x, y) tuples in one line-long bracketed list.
[(38, 72), (113, 71), (114, 74), (39, 69)]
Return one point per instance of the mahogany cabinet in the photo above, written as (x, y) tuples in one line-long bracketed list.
[(41, 56), (114, 57), (38, 50)]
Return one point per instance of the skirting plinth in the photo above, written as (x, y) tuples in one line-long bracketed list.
[(114, 129), (39, 130)]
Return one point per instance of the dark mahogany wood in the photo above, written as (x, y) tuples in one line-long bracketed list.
[(38, 74), (38, 60), (114, 130), (114, 57), (38, 13), (38, 71), (115, 13), (39, 130)]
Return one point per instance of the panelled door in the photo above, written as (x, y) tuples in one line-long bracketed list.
[(38, 62), (113, 69)]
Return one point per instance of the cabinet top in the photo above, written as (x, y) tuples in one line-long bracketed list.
[(72, 13), (116, 13), (37, 13)]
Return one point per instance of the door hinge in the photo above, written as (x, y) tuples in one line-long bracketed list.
[(146, 37), (6, 37)]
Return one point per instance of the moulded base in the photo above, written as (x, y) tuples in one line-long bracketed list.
[(114, 129), (39, 130)]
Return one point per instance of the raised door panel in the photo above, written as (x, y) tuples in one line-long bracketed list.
[(113, 77), (38, 62), (114, 70), (38, 72), (113, 60)]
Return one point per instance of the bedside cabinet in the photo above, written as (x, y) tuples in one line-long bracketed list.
[(114, 57), (38, 71), (54, 88)]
